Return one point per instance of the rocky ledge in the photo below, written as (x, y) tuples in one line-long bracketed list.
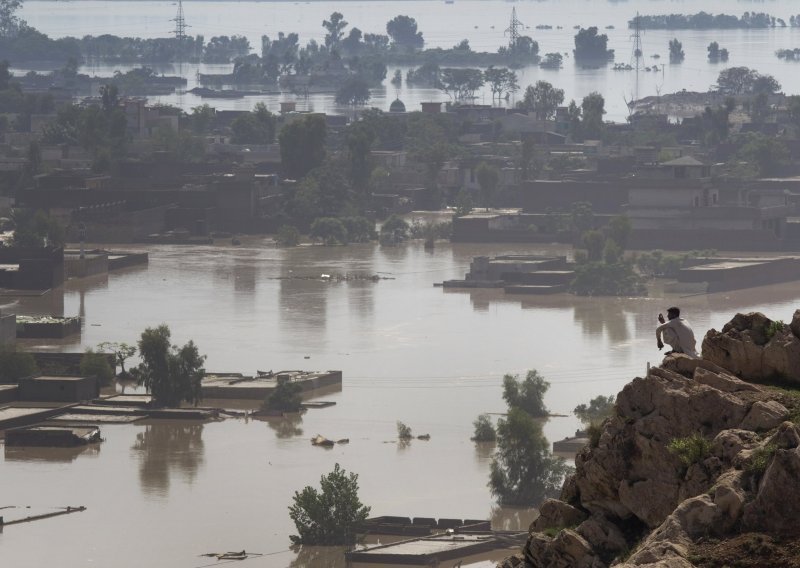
[(698, 466)]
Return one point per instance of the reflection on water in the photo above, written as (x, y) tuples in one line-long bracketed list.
[(64, 455), (317, 556), (607, 317), (165, 447), (512, 518), (484, 451), (287, 426)]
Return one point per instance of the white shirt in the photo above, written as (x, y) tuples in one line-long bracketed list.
[(683, 332)]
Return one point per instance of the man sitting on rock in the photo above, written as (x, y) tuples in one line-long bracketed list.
[(677, 333)]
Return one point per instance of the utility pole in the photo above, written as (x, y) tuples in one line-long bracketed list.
[(636, 56), (513, 30)]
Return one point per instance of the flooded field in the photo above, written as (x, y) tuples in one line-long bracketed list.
[(163, 493)]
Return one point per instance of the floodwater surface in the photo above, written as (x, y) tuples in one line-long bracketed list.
[(162, 493), (483, 23)]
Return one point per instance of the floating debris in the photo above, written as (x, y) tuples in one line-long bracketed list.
[(337, 277), (243, 555), (424, 437)]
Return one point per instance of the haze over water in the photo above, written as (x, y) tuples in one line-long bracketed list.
[(482, 22), (161, 493)]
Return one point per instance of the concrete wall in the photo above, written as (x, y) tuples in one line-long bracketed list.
[(693, 239), (8, 329), (748, 276), (58, 389), (539, 196)]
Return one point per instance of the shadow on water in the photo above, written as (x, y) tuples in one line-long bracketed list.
[(58, 455), (166, 447)]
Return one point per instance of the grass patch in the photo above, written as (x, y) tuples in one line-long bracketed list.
[(690, 450), (761, 458), (774, 327)]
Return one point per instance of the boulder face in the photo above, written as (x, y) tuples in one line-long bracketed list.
[(753, 347), (734, 463)]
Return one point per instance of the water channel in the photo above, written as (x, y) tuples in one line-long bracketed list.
[(162, 493)]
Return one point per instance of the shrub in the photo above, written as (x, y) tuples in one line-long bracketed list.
[(760, 459), (288, 236), (285, 397), (773, 328), (359, 229), (484, 429), (403, 431), (594, 431), (95, 364), (601, 279), (328, 516), (329, 230), (690, 450), (15, 365), (171, 374)]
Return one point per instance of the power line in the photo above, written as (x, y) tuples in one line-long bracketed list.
[(513, 30)]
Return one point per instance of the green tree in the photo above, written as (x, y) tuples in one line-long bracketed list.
[(359, 139), (302, 143), (582, 217), (766, 154), (484, 429), (527, 394), (359, 229), (598, 409), (170, 374), (288, 236), (593, 242), (328, 516), (488, 178), (10, 23), (122, 352), (202, 118), (335, 28), (543, 99), (354, 91), (461, 84), (15, 365), (36, 229), (592, 111), (403, 31), (524, 472), (619, 230), (676, 54), (257, 127), (501, 81), (329, 230), (591, 46), (95, 364)]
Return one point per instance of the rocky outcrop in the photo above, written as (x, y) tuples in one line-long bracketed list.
[(754, 347), (739, 468)]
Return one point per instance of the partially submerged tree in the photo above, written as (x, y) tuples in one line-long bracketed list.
[(484, 429), (171, 374), (122, 352), (676, 54), (285, 397), (15, 365), (527, 394), (94, 364), (524, 472), (328, 516)]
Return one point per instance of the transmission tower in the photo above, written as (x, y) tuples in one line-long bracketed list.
[(513, 30), (636, 54), (180, 24)]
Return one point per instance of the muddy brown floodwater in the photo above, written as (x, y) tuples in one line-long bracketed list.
[(163, 493)]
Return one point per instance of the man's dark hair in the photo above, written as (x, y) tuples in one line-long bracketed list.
[(674, 310)]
